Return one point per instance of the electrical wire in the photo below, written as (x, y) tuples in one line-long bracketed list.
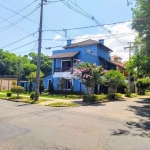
[(16, 22), (33, 49), (89, 16), (37, 15), (19, 40), (22, 46), (19, 11)]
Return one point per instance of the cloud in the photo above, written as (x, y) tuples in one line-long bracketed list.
[(122, 33), (58, 36)]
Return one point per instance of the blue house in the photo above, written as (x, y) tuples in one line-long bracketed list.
[(64, 60), (26, 84)]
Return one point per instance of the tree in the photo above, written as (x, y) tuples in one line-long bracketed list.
[(41, 88), (72, 89), (18, 90), (46, 62), (141, 23), (32, 76), (89, 74), (142, 84), (30, 86), (14, 83), (9, 64), (141, 9), (114, 79)]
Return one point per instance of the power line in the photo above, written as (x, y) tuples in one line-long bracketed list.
[(19, 20), (15, 26), (22, 46), (88, 16), (85, 27), (19, 11), (83, 38), (45, 17), (33, 49), (19, 40), (107, 37)]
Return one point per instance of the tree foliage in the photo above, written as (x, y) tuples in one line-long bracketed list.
[(89, 74), (142, 84), (114, 79), (14, 82), (18, 90), (9, 64), (141, 46), (41, 88)]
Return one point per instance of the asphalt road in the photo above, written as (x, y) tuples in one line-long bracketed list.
[(121, 125)]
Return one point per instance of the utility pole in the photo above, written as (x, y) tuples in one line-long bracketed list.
[(39, 54), (129, 76), (19, 68)]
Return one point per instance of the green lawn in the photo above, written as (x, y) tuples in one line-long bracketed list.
[(21, 99), (63, 104), (44, 95)]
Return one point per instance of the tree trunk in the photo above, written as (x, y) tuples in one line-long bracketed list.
[(90, 90)]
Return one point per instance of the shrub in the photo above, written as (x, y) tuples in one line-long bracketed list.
[(128, 94), (72, 90), (131, 95), (51, 88), (18, 90), (118, 95), (9, 94), (142, 84), (14, 82), (32, 95), (41, 88), (90, 98), (73, 96), (111, 96), (102, 96), (45, 90)]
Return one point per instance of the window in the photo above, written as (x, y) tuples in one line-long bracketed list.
[(68, 84), (75, 62)]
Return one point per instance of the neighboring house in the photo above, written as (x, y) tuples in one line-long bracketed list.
[(64, 60), (120, 65)]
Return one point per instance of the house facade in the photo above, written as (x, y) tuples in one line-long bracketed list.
[(64, 60)]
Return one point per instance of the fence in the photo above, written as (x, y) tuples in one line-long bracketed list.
[(6, 81)]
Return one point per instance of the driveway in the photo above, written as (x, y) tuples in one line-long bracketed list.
[(122, 125)]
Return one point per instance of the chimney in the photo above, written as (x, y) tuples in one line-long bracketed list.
[(68, 42), (101, 41)]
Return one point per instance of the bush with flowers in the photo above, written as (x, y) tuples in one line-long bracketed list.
[(89, 74)]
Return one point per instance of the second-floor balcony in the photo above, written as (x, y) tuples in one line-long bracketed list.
[(63, 72), (63, 69)]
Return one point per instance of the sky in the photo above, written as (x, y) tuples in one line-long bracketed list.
[(20, 18)]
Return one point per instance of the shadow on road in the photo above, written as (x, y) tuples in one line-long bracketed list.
[(141, 127)]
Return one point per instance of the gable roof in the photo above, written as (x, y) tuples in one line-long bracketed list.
[(64, 55), (86, 43)]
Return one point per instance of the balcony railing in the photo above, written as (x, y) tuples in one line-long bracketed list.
[(63, 69)]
